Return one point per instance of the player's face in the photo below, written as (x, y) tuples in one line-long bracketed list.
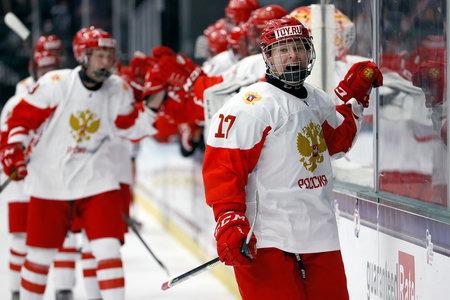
[(289, 53), (100, 64)]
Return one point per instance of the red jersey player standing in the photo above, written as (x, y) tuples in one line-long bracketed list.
[(267, 162)]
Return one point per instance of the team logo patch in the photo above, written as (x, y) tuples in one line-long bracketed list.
[(368, 73), (56, 77), (434, 73), (83, 124), (251, 97), (311, 145)]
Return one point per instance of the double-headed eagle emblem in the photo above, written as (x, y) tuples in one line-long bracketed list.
[(310, 145), (83, 125)]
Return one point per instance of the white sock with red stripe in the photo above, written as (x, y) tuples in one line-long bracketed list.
[(110, 274), (18, 251), (64, 264), (89, 266), (34, 273)]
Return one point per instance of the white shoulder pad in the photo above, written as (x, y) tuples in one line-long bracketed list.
[(216, 96)]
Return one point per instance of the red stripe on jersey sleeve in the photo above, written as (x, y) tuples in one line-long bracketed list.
[(225, 175), (28, 116), (127, 121), (340, 139), (3, 138)]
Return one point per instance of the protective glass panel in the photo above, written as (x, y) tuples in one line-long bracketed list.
[(412, 119), (353, 43)]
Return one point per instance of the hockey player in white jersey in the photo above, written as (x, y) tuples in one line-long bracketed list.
[(42, 62), (267, 162), (70, 171)]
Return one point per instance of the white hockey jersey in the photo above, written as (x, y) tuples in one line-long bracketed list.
[(252, 65), (24, 85), (219, 63), (268, 154), (72, 159)]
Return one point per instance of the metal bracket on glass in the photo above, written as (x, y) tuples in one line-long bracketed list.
[(429, 247), (356, 219), (337, 212)]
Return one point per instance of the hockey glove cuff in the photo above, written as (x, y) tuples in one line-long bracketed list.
[(231, 232)]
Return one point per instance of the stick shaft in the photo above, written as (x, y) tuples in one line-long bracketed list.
[(133, 228), (174, 281)]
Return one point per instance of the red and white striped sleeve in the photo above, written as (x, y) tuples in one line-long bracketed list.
[(234, 144), (34, 107)]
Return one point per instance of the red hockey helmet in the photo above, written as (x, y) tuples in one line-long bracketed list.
[(238, 11), (288, 50), (49, 43), (42, 62), (237, 40), (217, 41), (219, 24), (91, 38), (257, 21), (43, 59)]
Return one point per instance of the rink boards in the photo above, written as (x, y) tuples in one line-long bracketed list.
[(391, 253)]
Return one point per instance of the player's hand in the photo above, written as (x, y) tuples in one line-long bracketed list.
[(13, 160), (358, 82), (430, 77), (231, 231), (179, 71)]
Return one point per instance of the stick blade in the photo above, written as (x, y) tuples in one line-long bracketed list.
[(165, 285), (16, 25)]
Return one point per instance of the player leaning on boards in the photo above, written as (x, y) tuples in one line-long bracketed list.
[(71, 172), (268, 157)]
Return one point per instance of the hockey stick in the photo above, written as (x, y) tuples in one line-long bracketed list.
[(16, 25), (5, 184), (133, 228), (168, 284), (245, 250)]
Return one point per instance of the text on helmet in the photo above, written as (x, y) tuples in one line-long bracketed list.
[(288, 31)]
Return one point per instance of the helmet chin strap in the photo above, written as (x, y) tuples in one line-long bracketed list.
[(88, 82), (102, 73)]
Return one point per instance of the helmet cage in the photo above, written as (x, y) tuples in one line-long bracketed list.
[(291, 71)]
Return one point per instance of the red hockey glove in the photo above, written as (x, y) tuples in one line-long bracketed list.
[(231, 231), (179, 71), (359, 81), (430, 77), (13, 161), (161, 51)]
